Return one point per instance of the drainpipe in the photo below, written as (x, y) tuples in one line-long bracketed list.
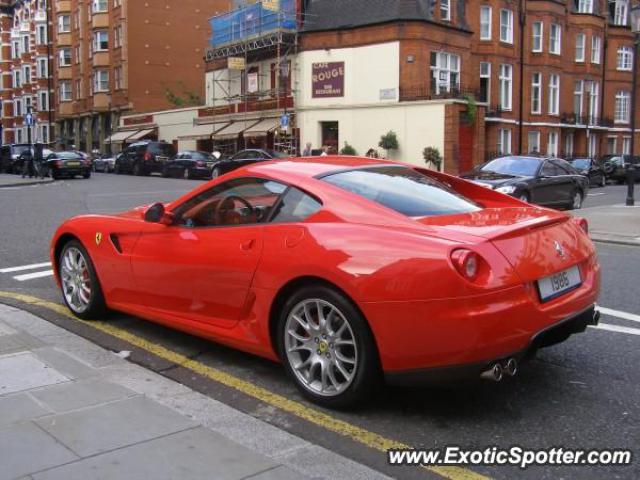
[(523, 22), (49, 70)]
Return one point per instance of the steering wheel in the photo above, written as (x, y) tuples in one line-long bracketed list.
[(226, 205)]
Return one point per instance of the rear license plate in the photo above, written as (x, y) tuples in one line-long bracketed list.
[(559, 283), (162, 159), (73, 164)]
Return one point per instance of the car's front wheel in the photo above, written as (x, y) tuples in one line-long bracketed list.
[(81, 289), (576, 203), (327, 348), (215, 173)]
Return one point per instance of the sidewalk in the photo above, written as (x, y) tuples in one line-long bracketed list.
[(613, 224), (72, 410), (10, 180)]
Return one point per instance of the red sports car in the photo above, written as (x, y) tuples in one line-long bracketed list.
[(346, 270)]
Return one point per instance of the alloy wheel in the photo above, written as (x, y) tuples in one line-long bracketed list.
[(321, 348), (76, 280), (577, 201)]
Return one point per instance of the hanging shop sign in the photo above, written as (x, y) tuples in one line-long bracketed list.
[(252, 82), (327, 80), (236, 63)]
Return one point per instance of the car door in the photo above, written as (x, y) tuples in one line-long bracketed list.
[(201, 267), (566, 181), (545, 189)]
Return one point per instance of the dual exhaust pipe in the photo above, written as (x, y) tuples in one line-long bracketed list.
[(498, 370)]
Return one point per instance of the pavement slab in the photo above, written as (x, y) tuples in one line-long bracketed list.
[(25, 449), (114, 425), (14, 366), (183, 455), (20, 407)]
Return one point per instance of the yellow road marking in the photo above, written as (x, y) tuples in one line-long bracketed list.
[(321, 419)]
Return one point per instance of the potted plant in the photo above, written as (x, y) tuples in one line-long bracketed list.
[(433, 157), (348, 150), (389, 141)]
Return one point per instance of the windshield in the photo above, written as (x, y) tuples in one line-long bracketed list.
[(165, 149), (200, 156), (582, 163), (520, 166), (403, 190), (278, 154)]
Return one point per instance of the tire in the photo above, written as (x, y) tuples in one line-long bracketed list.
[(86, 175), (54, 175), (363, 374), (117, 169), (603, 182), (215, 173), (524, 197), (94, 304), (578, 199)]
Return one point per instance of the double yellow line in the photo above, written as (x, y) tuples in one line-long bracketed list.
[(316, 417)]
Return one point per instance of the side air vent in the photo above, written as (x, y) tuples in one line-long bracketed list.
[(116, 242)]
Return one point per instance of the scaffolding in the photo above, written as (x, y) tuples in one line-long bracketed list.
[(265, 30)]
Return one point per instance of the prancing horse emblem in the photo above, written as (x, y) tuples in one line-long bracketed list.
[(560, 250), (98, 238)]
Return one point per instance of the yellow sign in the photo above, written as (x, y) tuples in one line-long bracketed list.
[(98, 238), (273, 5), (235, 63)]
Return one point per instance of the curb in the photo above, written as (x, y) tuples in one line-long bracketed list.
[(27, 184), (615, 241)]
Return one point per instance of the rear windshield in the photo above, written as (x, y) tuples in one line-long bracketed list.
[(581, 163), (69, 156), (403, 190), (162, 149)]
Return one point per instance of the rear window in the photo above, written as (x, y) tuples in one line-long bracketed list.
[(163, 149), (403, 190)]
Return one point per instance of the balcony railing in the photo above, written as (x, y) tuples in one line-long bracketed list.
[(571, 118)]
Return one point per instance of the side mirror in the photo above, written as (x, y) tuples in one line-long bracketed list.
[(157, 214)]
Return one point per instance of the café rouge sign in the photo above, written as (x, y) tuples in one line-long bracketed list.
[(328, 79)]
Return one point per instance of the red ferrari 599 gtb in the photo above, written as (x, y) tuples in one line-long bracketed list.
[(346, 270)]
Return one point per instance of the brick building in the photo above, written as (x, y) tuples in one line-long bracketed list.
[(491, 76), (115, 57), (25, 57)]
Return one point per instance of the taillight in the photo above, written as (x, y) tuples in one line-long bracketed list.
[(87, 163), (584, 225), (467, 263), (58, 163), (147, 157)]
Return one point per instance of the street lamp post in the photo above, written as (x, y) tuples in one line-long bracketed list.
[(635, 28)]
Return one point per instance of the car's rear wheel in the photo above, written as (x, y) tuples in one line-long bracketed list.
[(327, 348), (186, 174), (138, 170), (603, 181), (576, 203), (524, 197), (215, 173), (81, 289), (55, 175)]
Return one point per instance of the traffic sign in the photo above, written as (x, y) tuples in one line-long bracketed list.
[(29, 120), (284, 121)]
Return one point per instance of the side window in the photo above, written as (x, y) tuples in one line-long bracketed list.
[(243, 201), (564, 168), (295, 206), (549, 170), (239, 156)]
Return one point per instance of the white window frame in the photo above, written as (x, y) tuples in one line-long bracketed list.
[(100, 6), (504, 141), (62, 62), (555, 39), (554, 94), (568, 144), (486, 74), (41, 34), (101, 81), (42, 106), (506, 87), (64, 26), (98, 40), (66, 93), (592, 145), (578, 93), (621, 13), (552, 144), (581, 45), (536, 93), (447, 64), (622, 109), (445, 10), (612, 146), (594, 105), (535, 135), (596, 49), (585, 6), (42, 67), (625, 58), (486, 22), (537, 37), (506, 26), (626, 145)]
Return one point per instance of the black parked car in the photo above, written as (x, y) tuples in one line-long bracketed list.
[(242, 158), (144, 158), (544, 181), (190, 164), (67, 164), (10, 157), (619, 168), (592, 169)]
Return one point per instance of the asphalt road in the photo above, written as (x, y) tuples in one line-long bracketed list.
[(584, 393)]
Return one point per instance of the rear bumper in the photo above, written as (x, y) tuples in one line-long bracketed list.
[(72, 170), (549, 336)]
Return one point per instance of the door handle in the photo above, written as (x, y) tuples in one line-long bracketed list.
[(248, 245)]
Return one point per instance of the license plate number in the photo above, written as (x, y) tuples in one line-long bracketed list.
[(559, 283), (162, 159), (73, 164)]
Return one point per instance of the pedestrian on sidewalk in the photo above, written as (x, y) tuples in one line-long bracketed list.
[(40, 162), (26, 157), (307, 152)]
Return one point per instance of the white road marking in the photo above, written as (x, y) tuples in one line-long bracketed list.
[(126, 194), (616, 313), (617, 328), (595, 194), (32, 276), (25, 267)]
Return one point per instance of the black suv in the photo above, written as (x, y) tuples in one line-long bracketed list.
[(619, 168), (144, 158), (10, 157)]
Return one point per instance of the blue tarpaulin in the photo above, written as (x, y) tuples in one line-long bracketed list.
[(252, 21)]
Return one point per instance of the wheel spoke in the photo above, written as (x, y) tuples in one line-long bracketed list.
[(323, 376), (342, 342), (332, 377), (302, 323), (342, 370), (322, 321), (298, 337)]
